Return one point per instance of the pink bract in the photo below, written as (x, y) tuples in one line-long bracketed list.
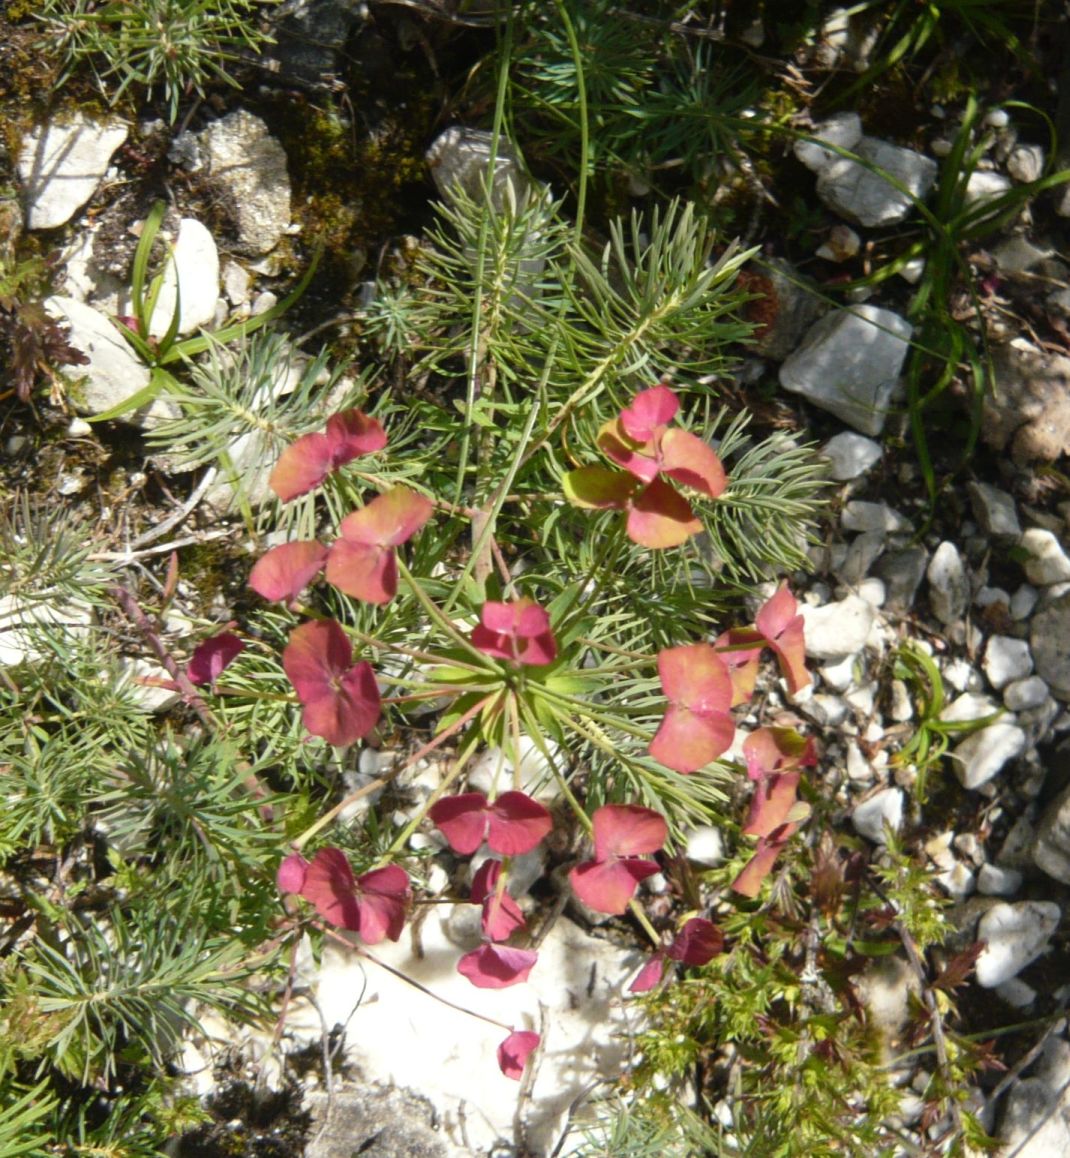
[(697, 727), (513, 825), (362, 562), (373, 905), (501, 914), (212, 657), (514, 1052), (650, 974), (291, 874), (497, 966), (517, 631), (285, 571), (622, 832), (782, 629), (305, 463), (340, 699)]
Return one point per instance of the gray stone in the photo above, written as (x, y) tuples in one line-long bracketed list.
[(969, 706), (1021, 695), (1016, 934), (841, 245), (1047, 562), (374, 1120), (994, 511), (459, 158), (860, 194), (241, 159), (1028, 408), (850, 455), (1033, 1127), (790, 308), (1051, 846), (861, 555), (114, 372), (837, 629), (1007, 659), (1023, 601), (849, 364), (902, 573), (61, 165), (983, 753), (309, 39), (882, 808), (843, 130), (1050, 641), (994, 881), (949, 589), (858, 515), (1019, 255)]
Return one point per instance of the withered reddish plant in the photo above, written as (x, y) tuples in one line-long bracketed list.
[(497, 966), (211, 657), (282, 573), (512, 825), (501, 914), (305, 463), (514, 1052), (775, 758), (517, 631), (373, 905), (340, 699), (697, 943), (362, 562), (641, 441), (697, 727), (623, 834)]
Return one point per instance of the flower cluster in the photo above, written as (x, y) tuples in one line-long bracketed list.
[(650, 451)]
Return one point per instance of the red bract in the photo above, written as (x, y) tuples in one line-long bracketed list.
[(212, 656), (781, 627), (774, 757), (514, 1052), (373, 905), (697, 943), (622, 832), (697, 727), (512, 825), (291, 875), (641, 441), (362, 562), (304, 464), (285, 571), (340, 699), (497, 966), (517, 631), (501, 914)]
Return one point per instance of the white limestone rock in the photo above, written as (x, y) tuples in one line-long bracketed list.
[(861, 195), (1051, 845), (858, 515), (983, 753), (25, 623), (1025, 694), (239, 156), (850, 455), (838, 629), (114, 372), (1047, 562), (705, 846), (982, 186), (1007, 659), (843, 130), (849, 364), (1017, 935), (882, 808), (61, 165), (1049, 637), (1026, 163), (949, 588), (191, 278)]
